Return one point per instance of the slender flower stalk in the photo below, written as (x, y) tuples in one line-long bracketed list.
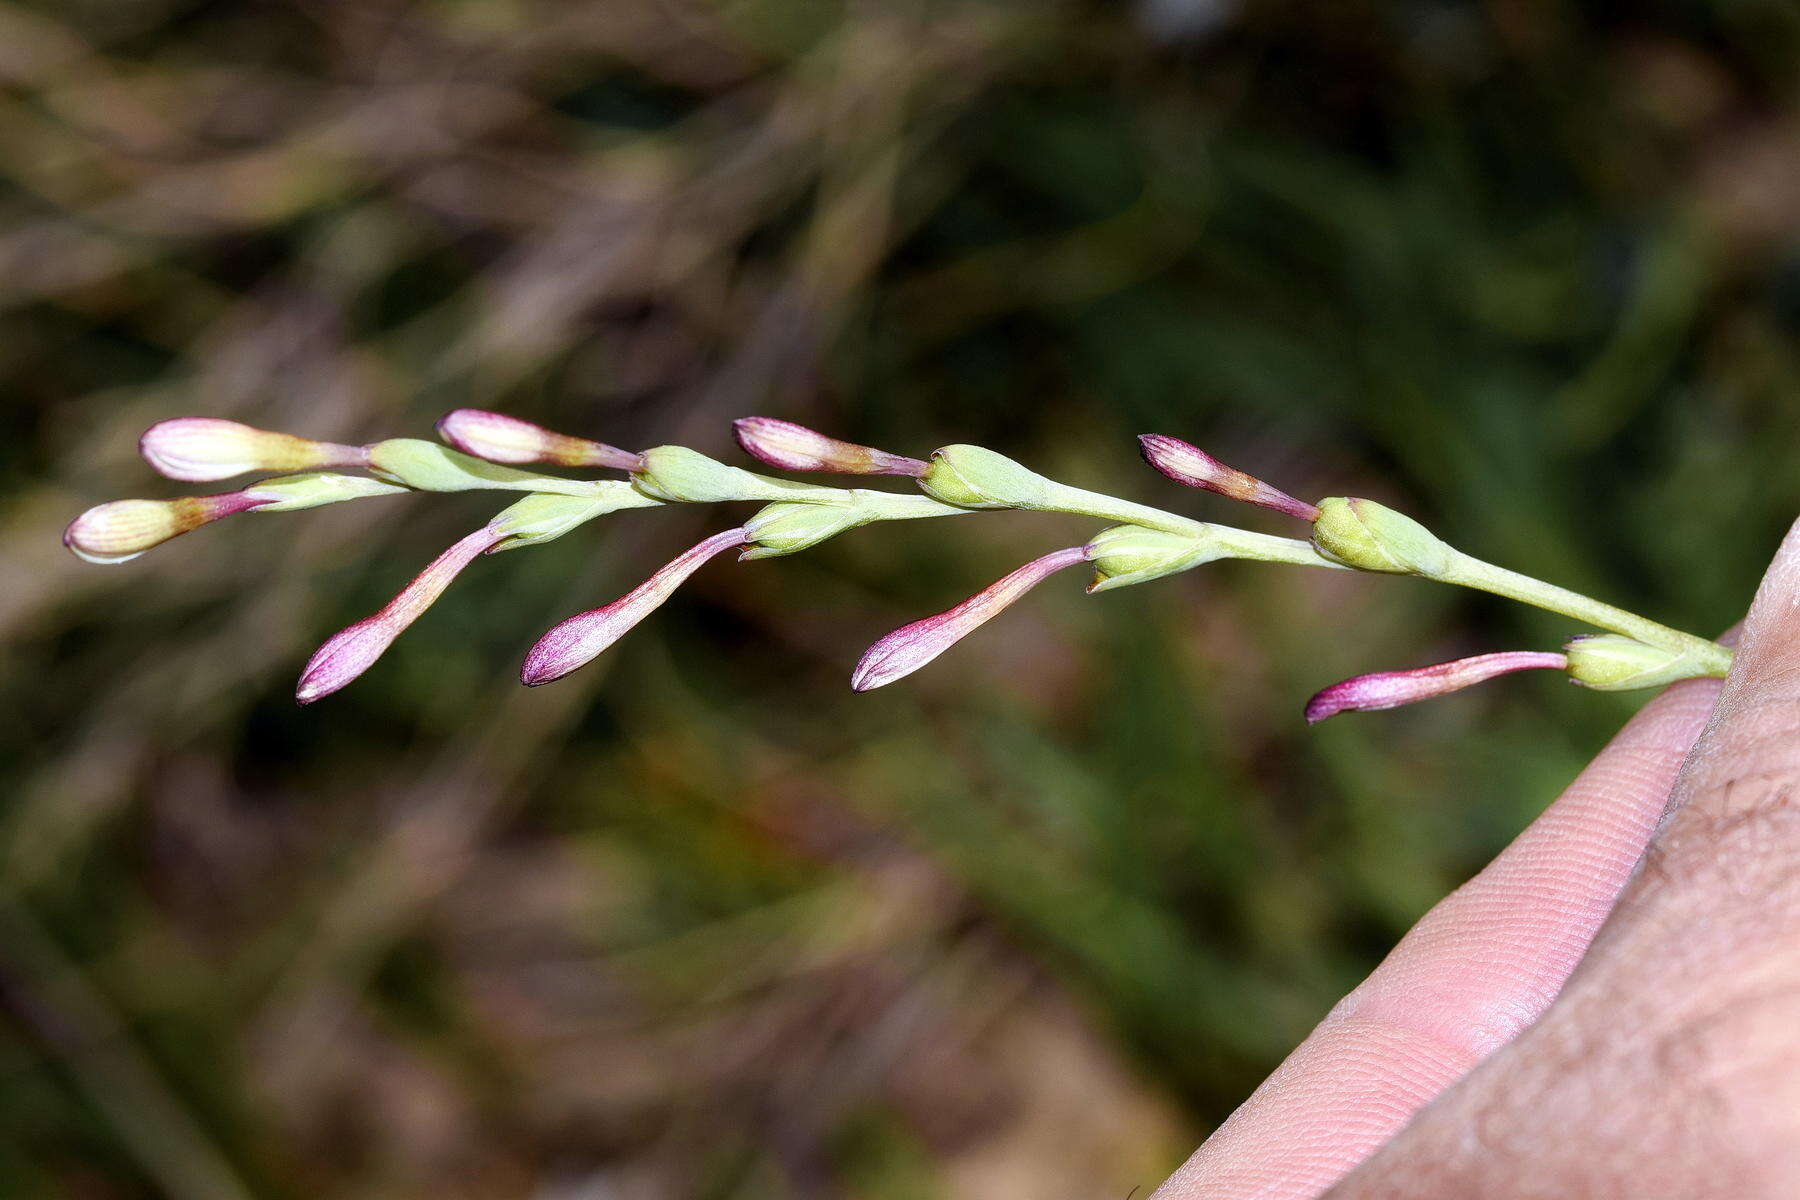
[(582, 638), (1391, 689), (1188, 464), (503, 439), (790, 447), (205, 449), (354, 649), (910, 647), (120, 530)]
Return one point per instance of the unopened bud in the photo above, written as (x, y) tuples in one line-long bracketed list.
[(790, 447), (503, 439), (1391, 689), (910, 647), (544, 518), (582, 638), (120, 530), (1188, 464), (1611, 662), (1128, 554), (679, 474), (1373, 537), (429, 467), (202, 449), (354, 649), (975, 477)]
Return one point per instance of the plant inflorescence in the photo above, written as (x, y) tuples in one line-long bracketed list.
[(490, 451)]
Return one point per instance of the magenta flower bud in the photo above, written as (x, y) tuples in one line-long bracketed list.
[(910, 647), (120, 530), (503, 439), (353, 650), (579, 640), (201, 449), (1391, 689), (790, 447), (1194, 467)]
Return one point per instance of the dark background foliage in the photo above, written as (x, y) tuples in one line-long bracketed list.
[(697, 922)]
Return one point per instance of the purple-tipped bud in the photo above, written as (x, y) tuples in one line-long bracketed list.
[(790, 447), (1391, 689), (503, 439), (121, 530), (910, 647), (201, 449), (579, 640), (1190, 465), (353, 650)]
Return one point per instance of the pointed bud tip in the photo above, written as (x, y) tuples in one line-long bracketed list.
[(790, 447)]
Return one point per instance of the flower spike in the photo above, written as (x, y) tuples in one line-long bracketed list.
[(120, 530), (1188, 464), (579, 640), (204, 449), (503, 439), (790, 447), (910, 647), (354, 649), (1391, 689)]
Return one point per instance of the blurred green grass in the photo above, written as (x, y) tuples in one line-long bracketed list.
[(696, 921)]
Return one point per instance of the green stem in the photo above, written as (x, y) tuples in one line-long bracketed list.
[(1474, 573)]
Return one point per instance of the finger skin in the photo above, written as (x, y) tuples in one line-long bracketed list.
[(1670, 1065), (1480, 967)]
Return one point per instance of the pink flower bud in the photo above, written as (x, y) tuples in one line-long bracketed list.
[(579, 640), (353, 650), (790, 447), (121, 530), (1196, 468), (910, 647), (1391, 689), (200, 449), (503, 439)]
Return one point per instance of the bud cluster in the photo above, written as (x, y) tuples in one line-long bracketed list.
[(487, 451)]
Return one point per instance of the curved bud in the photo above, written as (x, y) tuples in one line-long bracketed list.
[(1373, 537), (1391, 689), (976, 477), (790, 447), (354, 649), (429, 467), (1128, 554), (679, 474), (202, 449), (1612, 662), (120, 530), (579, 640), (499, 438), (1188, 464), (910, 647), (544, 518)]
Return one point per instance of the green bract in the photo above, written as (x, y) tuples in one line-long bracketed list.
[(1373, 537), (1128, 554), (788, 526), (544, 518), (1611, 662), (429, 467), (295, 492), (676, 473), (974, 477)]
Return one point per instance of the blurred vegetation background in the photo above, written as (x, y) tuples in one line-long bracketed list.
[(697, 922)]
